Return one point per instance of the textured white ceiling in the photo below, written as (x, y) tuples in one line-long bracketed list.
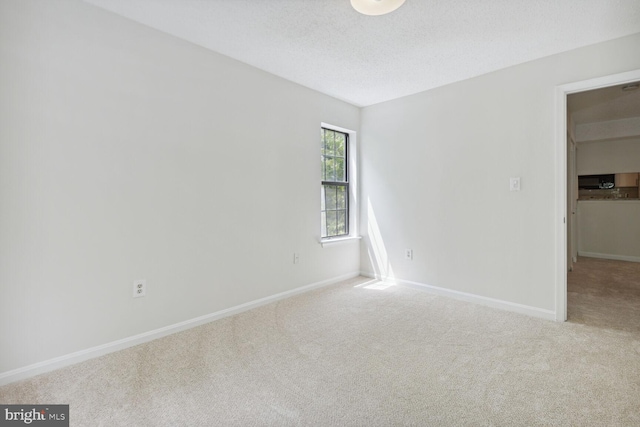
[(328, 46)]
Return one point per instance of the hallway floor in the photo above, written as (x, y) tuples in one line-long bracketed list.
[(605, 294)]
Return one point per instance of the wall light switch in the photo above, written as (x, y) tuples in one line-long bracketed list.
[(514, 184), (408, 254)]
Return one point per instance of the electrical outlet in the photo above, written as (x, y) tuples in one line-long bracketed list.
[(296, 258), (139, 288), (408, 254)]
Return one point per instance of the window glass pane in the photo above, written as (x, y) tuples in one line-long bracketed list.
[(340, 170), (341, 222), (341, 200), (330, 197), (331, 223), (340, 143), (330, 169), (334, 216), (329, 142), (323, 224)]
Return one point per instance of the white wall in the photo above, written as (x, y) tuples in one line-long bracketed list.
[(126, 154), (609, 229), (612, 156), (610, 129), (435, 174)]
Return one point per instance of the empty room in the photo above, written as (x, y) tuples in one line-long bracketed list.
[(303, 212)]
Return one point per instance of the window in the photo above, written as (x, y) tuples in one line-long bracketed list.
[(335, 183)]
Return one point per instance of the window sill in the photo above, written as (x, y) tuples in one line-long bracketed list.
[(329, 242)]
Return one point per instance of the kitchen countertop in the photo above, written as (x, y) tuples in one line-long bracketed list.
[(610, 200)]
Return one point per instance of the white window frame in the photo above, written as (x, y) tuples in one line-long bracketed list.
[(352, 178)]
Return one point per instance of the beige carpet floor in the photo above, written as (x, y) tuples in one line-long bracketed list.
[(605, 294), (362, 354)]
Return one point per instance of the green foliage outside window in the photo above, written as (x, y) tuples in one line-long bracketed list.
[(335, 184)]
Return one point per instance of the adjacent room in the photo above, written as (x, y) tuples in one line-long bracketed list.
[(604, 206), (300, 212)]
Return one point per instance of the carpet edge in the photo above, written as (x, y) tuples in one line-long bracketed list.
[(473, 298)]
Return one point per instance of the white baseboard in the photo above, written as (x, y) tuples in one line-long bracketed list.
[(609, 256), (93, 352), (476, 299)]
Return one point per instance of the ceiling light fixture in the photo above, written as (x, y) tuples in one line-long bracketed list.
[(630, 87), (376, 7)]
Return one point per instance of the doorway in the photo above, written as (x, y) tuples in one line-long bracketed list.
[(566, 191)]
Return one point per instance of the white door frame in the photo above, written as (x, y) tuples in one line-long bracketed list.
[(561, 174)]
